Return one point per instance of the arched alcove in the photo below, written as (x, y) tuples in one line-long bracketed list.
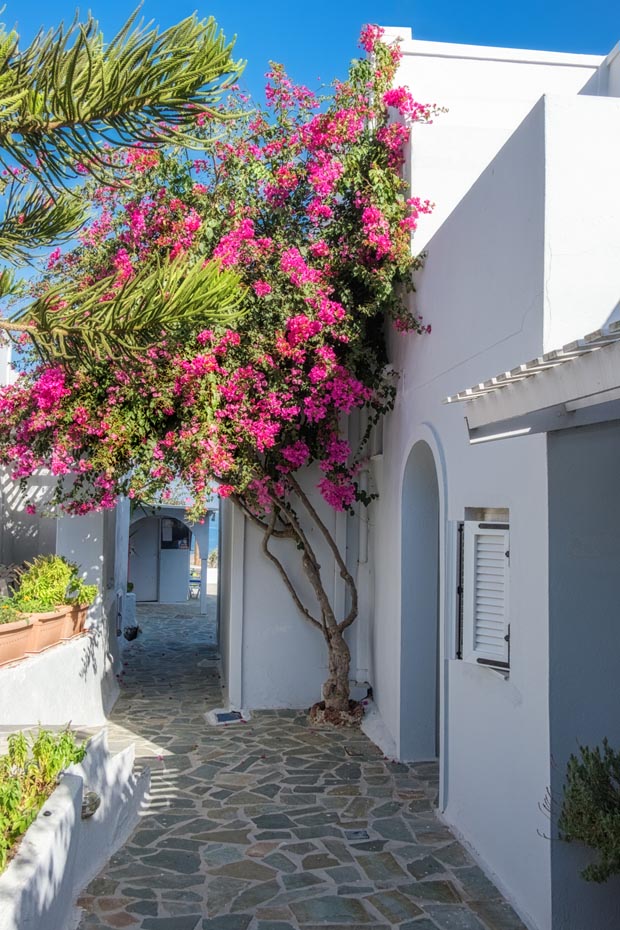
[(419, 673)]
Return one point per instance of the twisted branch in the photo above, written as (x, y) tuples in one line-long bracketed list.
[(283, 573), (344, 571)]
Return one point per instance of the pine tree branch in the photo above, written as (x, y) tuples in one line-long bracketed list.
[(76, 324), (68, 93), (32, 219)]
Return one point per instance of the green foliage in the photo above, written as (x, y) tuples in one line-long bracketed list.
[(69, 96), (81, 594), (48, 582), (212, 558), (8, 611), (68, 103), (86, 324), (33, 219), (28, 775), (591, 808)]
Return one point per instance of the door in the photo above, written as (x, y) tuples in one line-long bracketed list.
[(144, 558)]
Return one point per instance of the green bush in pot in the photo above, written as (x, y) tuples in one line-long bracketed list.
[(49, 582), (28, 774), (51, 600)]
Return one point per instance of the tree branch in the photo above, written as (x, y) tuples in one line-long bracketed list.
[(287, 581), (344, 571), (277, 534), (312, 569)]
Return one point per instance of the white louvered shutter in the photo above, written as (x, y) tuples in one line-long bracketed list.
[(485, 593)]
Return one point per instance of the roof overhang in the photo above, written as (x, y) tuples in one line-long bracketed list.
[(573, 386)]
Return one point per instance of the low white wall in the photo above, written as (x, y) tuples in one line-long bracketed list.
[(60, 852), (71, 682), (36, 890), (123, 793)]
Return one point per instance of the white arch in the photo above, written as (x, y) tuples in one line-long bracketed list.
[(423, 634)]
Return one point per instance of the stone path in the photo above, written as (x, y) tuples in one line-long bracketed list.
[(272, 825)]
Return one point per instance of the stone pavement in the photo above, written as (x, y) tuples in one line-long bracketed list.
[(271, 825)]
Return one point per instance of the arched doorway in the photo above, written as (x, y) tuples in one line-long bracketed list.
[(419, 672), (161, 547)]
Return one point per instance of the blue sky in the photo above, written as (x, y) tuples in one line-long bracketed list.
[(317, 38)]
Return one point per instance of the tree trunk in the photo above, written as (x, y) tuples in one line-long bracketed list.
[(336, 688)]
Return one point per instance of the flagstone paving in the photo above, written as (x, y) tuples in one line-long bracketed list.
[(271, 825)]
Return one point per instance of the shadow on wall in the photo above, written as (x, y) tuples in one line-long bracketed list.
[(98, 660), (22, 535)]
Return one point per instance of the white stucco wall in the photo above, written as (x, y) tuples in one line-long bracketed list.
[(512, 175), (582, 216), (271, 656), (284, 657), (482, 291), (488, 92), (72, 682), (23, 536)]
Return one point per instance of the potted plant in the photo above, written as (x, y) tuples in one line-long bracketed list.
[(590, 811), (15, 632), (54, 599), (80, 597)]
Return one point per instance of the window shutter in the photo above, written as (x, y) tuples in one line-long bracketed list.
[(485, 594)]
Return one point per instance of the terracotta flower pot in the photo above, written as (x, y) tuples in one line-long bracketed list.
[(75, 618), (48, 628), (15, 640)]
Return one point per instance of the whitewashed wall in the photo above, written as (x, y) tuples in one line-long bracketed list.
[(488, 92), (271, 656), (24, 536), (75, 681), (582, 216), (490, 263), (482, 291)]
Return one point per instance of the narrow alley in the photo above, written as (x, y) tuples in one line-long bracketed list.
[(271, 825)]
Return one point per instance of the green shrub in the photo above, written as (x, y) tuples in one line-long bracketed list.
[(28, 775), (80, 594), (48, 582), (591, 808), (8, 612), (212, 558)]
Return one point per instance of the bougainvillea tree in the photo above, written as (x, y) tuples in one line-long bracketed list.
[(305, 202)]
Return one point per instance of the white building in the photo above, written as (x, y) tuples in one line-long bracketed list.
[(488, 622), (489, 628)]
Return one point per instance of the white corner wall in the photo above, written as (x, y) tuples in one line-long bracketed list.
[(582, 217), (487, 92), (482, 290)]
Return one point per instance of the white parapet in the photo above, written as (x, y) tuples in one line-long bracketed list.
[(60, 852)]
